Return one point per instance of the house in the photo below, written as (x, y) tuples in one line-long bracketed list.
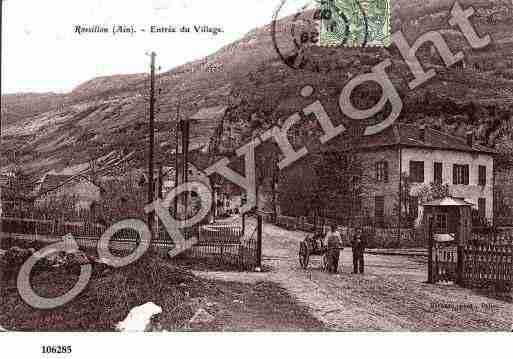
[(54, 187), (13, 202), (423, 156)]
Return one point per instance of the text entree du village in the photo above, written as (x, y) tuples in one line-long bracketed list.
[(155, 29)]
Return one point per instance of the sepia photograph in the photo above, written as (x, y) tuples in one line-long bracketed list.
[(292, 166)]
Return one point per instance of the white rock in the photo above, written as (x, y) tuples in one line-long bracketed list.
[(139, 318), (201, 317)]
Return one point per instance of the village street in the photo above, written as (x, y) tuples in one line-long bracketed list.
[(391, 295)]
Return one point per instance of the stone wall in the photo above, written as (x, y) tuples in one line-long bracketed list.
[(376, 237), (372, 188)]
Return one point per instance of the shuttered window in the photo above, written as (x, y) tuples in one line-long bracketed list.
[(482, 175), (382, 171), (438, 168), (460, 174), (417, 171)]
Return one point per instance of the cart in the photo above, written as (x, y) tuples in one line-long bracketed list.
[(312, 245)]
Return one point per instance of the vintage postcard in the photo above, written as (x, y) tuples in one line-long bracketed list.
[(275, 165)]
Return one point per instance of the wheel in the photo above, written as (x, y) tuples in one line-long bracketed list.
[(303, 255)]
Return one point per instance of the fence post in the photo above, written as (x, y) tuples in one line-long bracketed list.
[(459, 265), (243, 223), (259, 240), (429, 234)]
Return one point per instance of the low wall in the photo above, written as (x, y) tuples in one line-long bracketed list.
[(376, 237)]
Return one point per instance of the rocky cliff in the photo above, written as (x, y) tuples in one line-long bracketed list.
[(107, 117)]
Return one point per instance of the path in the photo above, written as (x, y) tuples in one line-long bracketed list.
[(391, 295)]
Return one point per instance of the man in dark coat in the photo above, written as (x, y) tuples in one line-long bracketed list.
[(358, 244)]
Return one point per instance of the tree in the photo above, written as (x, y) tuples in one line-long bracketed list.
[(432, 191), (424, 194)]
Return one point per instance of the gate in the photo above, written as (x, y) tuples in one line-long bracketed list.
[(445, 258), (229, 245)]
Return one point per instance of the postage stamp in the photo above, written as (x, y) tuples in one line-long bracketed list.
[(354, 23), (305, 38)]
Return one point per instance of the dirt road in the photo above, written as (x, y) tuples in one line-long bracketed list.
[(391, 295)]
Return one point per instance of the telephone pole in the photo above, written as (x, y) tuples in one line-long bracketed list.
[(177, 150), (152, 143), (185, 154)]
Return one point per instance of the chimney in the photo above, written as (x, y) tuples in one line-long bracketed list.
[(470, 138), (422, 133)]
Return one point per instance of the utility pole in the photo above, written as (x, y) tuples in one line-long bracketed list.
[(185, 154), (177, 150), (151, 144)]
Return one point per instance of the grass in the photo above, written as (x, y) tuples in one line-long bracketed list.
[(111, 294)]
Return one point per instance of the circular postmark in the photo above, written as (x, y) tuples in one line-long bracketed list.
[(306, 38)]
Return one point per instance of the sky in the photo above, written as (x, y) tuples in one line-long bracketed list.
[(41, 52)]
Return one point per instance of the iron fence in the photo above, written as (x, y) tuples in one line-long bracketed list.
[(226, 245), (485, 265)]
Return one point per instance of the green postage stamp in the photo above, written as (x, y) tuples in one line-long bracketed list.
[(354, 22)]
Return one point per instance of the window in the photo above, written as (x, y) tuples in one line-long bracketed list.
[(482, 175), (481, 207), (460, 174), (379, 209), (440, 225), (437, 178), (417, 171), (382, 171)]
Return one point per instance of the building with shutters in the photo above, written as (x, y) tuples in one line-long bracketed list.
[(424, 156)]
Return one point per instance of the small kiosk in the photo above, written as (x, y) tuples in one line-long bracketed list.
[(448, 227)]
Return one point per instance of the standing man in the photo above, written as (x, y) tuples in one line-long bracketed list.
[(358, 244), (334, 246)]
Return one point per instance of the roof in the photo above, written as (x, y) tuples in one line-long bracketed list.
[(204, 124), (51, 182), (406, 135), (447, 201)]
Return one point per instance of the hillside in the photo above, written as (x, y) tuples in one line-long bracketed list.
[(108, 116)]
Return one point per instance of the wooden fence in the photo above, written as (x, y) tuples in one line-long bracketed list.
[(87, 235), (43, 227), (225, 244)]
